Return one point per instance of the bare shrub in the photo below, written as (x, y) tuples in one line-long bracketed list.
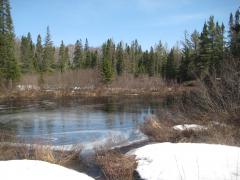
[(84, 78), (216, 103), (29, 79), (116, 166), (129, 81), (87, 79), (220, 95)]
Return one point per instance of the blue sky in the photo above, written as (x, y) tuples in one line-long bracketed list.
[(147, 20)]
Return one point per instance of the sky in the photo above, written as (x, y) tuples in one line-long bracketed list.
[(149, 21)]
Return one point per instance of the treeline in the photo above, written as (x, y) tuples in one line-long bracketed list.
[(199, 54)]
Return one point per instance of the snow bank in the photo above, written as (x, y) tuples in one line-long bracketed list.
[(167, 161), (193, 127), (37, 170)]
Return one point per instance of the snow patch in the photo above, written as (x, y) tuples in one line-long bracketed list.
[(27, 87), (193, 127), (188, 161), (37, 170)]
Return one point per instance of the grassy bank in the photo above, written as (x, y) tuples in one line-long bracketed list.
[(86, 83)]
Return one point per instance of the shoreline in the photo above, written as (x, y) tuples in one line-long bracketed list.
[(95, 93)]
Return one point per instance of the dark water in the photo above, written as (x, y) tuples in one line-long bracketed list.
[(87, 121)]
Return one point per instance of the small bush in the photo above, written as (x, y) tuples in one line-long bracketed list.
[(116, 166), (160, 132)]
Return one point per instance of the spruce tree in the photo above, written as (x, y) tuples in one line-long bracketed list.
[(94, 59), (135, 56), (205, 51), (87, 55), (218, 49), (9, 68), (67, 58), (39, 62), (143, 64), (185, 69), (151, 63), (234, 34), (237, 32), (62, 62), (48, 53), (107, 62), (120, 59), (231, 35), (27, 54), (78, 55), (107, 70), (171, 70), (161, 56)]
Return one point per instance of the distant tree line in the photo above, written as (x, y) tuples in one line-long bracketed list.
[(199, 54)]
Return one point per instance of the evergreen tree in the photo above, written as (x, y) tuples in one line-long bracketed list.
[(195, 41), (87, 55), (120, 59), (27, 54), (110, 53), (151, 63), (107, 62), (185, 69), (9, 68), (231, 35), (67, 58), (143, 64), (161, 56), (78, 55), (94, 59), (135, 57), (107, 70), (171, 70), (237, 32), (218, 49), (48, 53), (62, 61), (202, 62), (234, 34), (39, 62)]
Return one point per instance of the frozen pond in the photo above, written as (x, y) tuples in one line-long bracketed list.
[(90, 122)]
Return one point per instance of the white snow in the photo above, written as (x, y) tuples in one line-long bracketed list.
[(193, 127), (37, 170), (187, 161), (27, 87)]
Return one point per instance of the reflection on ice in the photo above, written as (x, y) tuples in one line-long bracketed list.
[(89, 124)]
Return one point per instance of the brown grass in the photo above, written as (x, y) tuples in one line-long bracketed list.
[(157, 131), (12, 149), (88, 83), (162, 131), (116, 166)]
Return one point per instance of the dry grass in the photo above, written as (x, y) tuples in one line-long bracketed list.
[(88, 83), (163, 131), (157, 131), (116, 166), (11, 149)]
